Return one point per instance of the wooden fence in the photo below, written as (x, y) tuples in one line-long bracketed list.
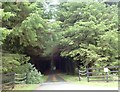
[(82, 73), (21, 78), (101, 74), (10, 79)]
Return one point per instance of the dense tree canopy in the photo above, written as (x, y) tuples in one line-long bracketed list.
[(85, 33), (90, 33)]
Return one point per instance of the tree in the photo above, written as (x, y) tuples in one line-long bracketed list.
[(87, 26)]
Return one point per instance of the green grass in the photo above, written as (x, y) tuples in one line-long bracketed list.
[(28, 86), (75, 79), (23, 88)]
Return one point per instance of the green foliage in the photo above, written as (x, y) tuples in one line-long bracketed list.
[(19, 64), (4, 33), (14, 62), (53, 37), (15, 13), (84, 32), (90, 33), (31, 30), (34, 77)]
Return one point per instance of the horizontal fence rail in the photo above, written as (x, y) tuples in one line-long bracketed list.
[(101, 74), (10, 79), (82, 73), (21, 78)]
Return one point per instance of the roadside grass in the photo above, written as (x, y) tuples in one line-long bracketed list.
[(75, 79), (28, 86)]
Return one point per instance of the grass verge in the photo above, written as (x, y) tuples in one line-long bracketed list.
[(28, 86), (75, 79)]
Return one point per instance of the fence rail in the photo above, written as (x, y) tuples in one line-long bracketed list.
[(20, 78), (100, 74), (82, 73), (10, 79)]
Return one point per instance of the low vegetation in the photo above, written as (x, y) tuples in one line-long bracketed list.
[(26, 86)]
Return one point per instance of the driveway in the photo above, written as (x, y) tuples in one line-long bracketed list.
[(55, 82)]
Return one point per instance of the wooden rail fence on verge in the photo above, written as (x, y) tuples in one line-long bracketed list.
[(10, 79), (99, 74)]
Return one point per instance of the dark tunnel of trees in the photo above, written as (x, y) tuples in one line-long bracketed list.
[(43, 64)]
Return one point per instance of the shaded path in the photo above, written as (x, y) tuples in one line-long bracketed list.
[(55, 82), (54, 78)]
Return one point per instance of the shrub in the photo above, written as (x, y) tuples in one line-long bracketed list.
[(14, 63), (18, 63), (34, 77)]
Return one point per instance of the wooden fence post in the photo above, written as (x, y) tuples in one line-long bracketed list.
[(79, 75), (13, 80), (27, 78), (106, 73), (106, 76), (87, 74)]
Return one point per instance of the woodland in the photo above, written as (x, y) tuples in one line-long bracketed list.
[(69, 36)]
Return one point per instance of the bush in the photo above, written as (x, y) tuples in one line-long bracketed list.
[(17, 63), (22, 69), (34, 77)]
